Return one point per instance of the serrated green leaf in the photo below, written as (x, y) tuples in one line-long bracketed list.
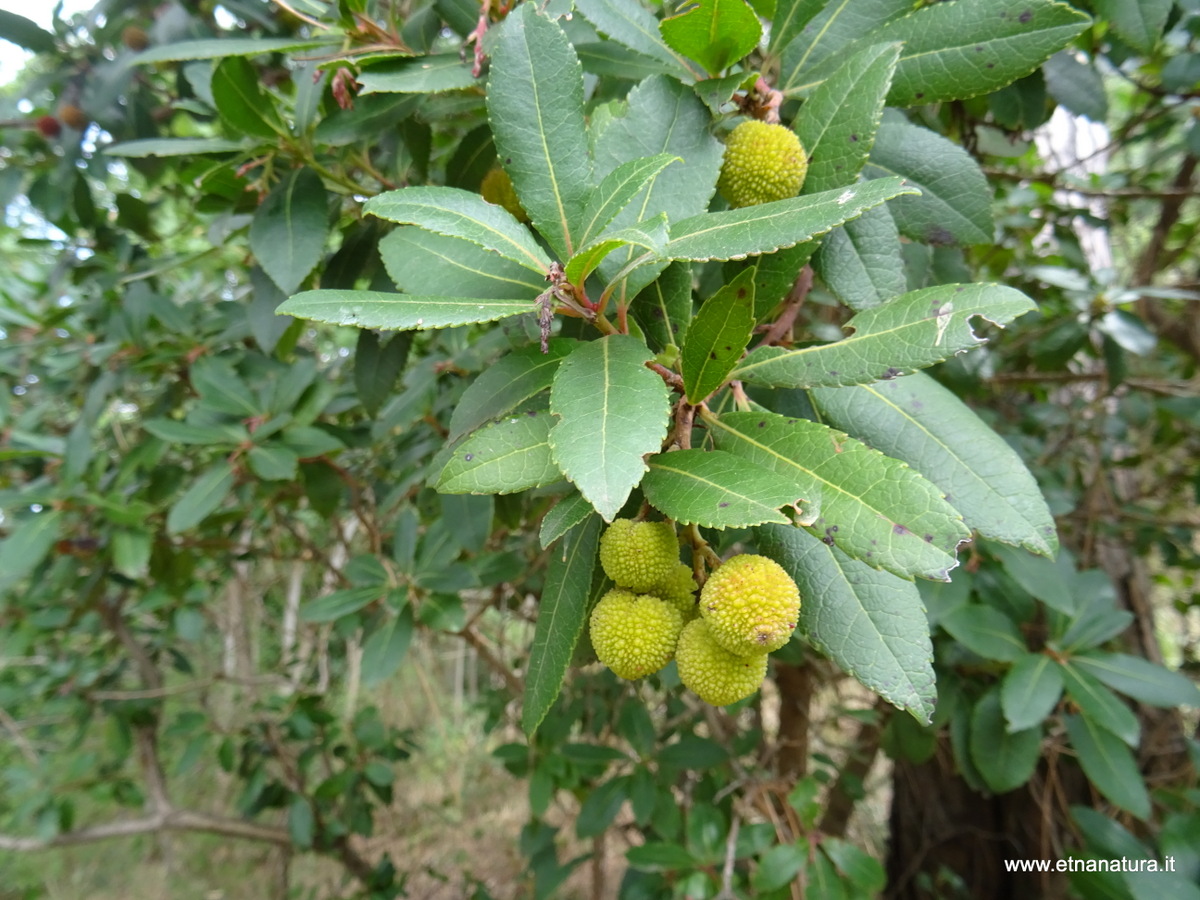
[(917, 420), (789, 20), (632, 25), (561, 614), (986, 631), (871, 623), (717, 336), (816, 50), (26, 546), (172, 147), (512, 455), (174, 432), (953, 51), (872, 507), (716, 489), (422, 262), (1030, 691), (399, 312), (837, 128), (201, 499), (273, 463), (1139, 678), (617, 190), (510, 381), (912, 331), (219, 48), (768, 227), (377, 365), (1140, 22), (650, 236), (418, 75), (462, 214), (535, 106), (243, 105), (715, 33), (1098, 704), (387, 646), (288, 233), (662, 116), (1076, 85), (955, 202), (1109, 765), (612, 411), (861, 262), (335, 605), (570, 511), (664, 307), (1005, 759)]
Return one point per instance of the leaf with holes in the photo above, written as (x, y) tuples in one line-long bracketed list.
[(509, 456), (870, 623), (717, 336), (872, 507), (912, 331)]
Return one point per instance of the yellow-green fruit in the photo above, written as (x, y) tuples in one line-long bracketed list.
[(497, 188), (639, 555), (634, 634), (762, 163), (679, 589), (750, 604), (711, 672)]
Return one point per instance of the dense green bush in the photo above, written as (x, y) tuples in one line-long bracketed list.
[(285, 398)]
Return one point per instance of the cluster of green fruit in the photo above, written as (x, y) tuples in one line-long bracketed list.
[(748, 607)]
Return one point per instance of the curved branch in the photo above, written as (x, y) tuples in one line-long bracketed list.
[(168, 820)]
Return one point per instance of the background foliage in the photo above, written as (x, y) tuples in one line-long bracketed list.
[(273, 581)]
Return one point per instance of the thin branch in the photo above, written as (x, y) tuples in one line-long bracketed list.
[(168, 820), (494, 662)]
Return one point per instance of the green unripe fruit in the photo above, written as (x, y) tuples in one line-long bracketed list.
[(679, 589), (711, 672), (762, 163), (632, 634), (750, 604), (639, 555), (497, 188)]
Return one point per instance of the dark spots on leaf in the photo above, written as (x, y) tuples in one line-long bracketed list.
[(978, 48), (991, 65), (854, 138), (658, 313), (508, 160), (712, 356), (938, 236), (532, 413), (722, 505), (900, 529), (833, 528), (869, 554), (762, 424), (741, 293), (917, 404), (929, 538), (833, 373), (874, 542), (827, 540), (1025, 17), (727, 348), (919, 94), (891, 373), (959, 289), (469, 457)]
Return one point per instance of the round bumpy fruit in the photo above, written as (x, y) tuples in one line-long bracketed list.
[(711, 672), (497, 188), (762, 163), (632, 634), (49, 127), (639, 555), (750, 604), (679, 589)]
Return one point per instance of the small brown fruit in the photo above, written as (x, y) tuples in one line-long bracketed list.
[(135, 38), (73, 117), (49, 127)]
